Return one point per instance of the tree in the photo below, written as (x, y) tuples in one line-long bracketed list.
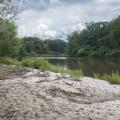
[(8, 9), (9, 43), (98, 39), (56, 46), (32, 46), (73, 43)]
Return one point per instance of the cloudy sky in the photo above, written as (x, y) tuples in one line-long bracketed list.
[(57, 18)]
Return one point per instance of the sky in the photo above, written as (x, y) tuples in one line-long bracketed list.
[(58, 18)]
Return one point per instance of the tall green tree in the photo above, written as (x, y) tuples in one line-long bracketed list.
[(9, 43)]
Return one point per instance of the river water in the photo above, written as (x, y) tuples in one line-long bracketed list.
[(89, 66)]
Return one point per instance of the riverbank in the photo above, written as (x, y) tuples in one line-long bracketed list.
[(44, 64), (40, 63), (33, 94)]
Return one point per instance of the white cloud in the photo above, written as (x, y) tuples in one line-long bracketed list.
[(36, 26), (60, 19)]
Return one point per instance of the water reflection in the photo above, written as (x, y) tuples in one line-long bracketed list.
[(89, 66)]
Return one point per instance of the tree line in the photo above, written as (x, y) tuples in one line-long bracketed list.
[(100, 39), (12, 46), (33, 46)]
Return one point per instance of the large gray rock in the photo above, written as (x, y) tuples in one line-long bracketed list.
[(38, 95)]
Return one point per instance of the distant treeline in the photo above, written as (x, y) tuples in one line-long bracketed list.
[(33, 46), (100, 39), (12, 46)]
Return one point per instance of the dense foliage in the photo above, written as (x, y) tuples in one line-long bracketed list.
[(11, 46), (33, 46), (56, 46), (9, 43), (101, 39)]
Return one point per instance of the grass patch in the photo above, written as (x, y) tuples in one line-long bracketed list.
[(113, 78), (9, 61), (96, 75), (72, 73), (37, 63), (40, 63)]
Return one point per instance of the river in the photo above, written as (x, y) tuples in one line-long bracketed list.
[(89, 66)]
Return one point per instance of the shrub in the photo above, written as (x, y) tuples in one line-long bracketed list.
[(27, 62), (37, 63), (40, 64), (82, 52), (115, 53)]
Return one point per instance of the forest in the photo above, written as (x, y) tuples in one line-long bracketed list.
[(100, 39), (97, 39), (33, 46)]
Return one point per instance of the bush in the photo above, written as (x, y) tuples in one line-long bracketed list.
[(82, 52), (37, 63), (115, 53), (41, 64), (32, 54), (27, 62)]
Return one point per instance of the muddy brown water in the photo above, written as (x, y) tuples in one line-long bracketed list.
[(89, 66)]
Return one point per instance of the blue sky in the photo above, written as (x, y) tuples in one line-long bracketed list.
[(57, 18)]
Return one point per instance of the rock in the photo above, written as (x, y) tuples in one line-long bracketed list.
[(44, 95)]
